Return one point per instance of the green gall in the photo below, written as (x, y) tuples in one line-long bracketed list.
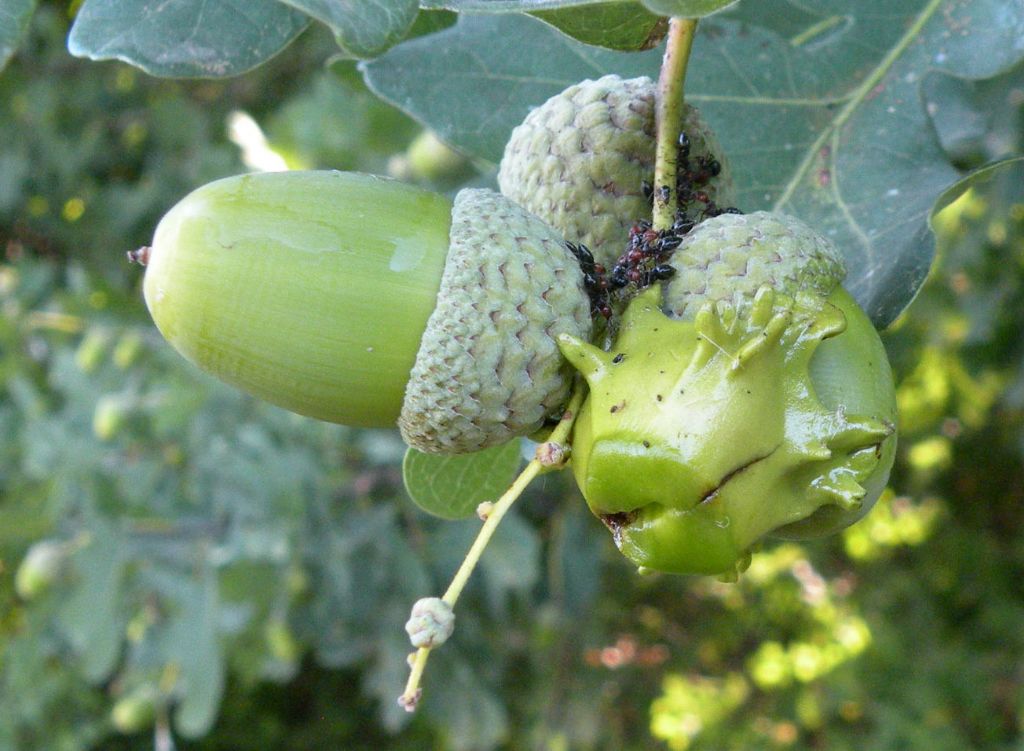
[(766, 407), (580, 161)]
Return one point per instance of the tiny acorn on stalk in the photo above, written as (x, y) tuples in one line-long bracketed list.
[(364, 301), (746, 396)]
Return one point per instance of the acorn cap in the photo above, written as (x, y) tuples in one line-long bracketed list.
[(489, 367), (579, 161), (729, 257), (701, 436)]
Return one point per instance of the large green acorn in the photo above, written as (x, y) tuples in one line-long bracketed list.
[(749, 397), (363, 301), (580, 161)]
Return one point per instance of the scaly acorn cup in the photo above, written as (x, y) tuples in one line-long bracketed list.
[(580, 160), (361, 300), (750, 396)]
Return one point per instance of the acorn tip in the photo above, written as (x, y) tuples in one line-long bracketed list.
[(139, 255)]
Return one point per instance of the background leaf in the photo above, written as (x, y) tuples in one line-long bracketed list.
[(576, 560), (978, 179), (14, 19), (472, 715), (185, 38), (688, 8), (615, 25), (195, 644), (512, 563), (453, 486), (483, 75), (91, 617), (429, 21), (826, 124), (363, 28), (977, 120), (506, 6)]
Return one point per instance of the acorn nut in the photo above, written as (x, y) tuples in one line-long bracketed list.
[(580, 161), (360, 300), (749, 396)]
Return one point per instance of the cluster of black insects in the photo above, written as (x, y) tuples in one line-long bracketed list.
[(691, 177), (644, 262), (646, 257), (594, 280)]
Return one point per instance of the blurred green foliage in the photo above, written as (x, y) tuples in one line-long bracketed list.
[(179, 560)]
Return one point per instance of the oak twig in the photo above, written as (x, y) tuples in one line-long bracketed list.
[(553, 446)]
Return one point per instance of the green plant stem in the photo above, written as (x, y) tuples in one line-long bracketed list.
[(559, 435), (494, 518), (670, 117)]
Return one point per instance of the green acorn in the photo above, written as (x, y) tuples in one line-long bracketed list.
[(749, 397), (581, 159), (109, 415), (92, 350), (40, 568), (429, 159), (363, 301), (135, 712)]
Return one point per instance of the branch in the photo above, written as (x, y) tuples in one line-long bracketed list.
[(549, 454)]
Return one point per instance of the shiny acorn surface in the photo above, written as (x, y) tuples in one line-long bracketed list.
[(310, 290)]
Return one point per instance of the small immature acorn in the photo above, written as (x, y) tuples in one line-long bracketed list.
[(109, 416), (430, 159), (431, 622), (747, 396), (581, 160), (40, 568), (135, 712), (361, 300)]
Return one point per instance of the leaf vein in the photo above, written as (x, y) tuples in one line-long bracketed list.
[(856, 99)]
